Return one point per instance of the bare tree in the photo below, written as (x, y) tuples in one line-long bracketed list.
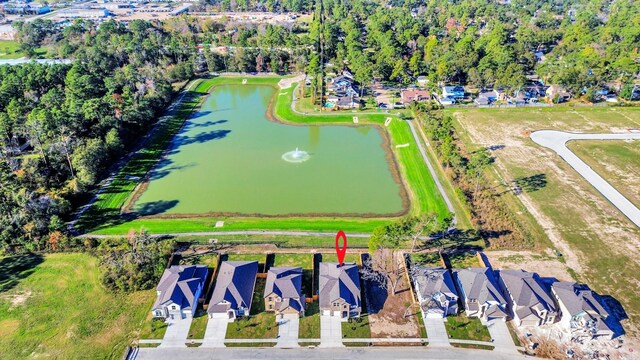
[(385, 267)]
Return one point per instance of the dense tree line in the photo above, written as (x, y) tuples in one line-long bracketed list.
[(63, 125)]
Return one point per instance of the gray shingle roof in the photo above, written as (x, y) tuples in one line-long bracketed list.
[(235, 283), (528, 292), (432, 281), (178, 285), (286, 282), (479, 284), (339, 282), (578, 298)]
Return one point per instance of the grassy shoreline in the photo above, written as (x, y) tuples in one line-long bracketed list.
[(418, 183)]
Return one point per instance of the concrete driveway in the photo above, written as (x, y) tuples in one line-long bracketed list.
[(501, 336), (330, 331), (177, 332), (556, 141), (216, 331), (288, 331), (436, 332)]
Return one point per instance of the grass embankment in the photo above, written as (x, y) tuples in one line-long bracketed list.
[(423, 193), (105, 212), (55, 306)]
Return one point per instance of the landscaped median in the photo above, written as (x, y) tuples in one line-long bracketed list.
[(423, 194)]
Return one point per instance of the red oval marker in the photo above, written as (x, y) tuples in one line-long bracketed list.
[(341, 251)]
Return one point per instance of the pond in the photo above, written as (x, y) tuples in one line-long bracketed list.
[(230, 158)]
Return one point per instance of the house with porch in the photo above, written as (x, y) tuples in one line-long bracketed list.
[(339, 290), (581, 311), (178, 291), (233, 292), (480, 294), (436, 291), (283, 291), (528, 298)]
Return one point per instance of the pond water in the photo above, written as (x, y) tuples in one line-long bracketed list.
[(228, 158)]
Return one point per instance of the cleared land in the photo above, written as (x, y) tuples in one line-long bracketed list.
[(616, 161), (423, 193), (56, 307), (596, 241)]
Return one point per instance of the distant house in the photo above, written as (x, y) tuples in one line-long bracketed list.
[(436, 292), (179, 290), (555, 90), (581, 311), (454, 92), (414, 95), (445, 101), (339, 290), (528, 298), (347, 102), (486, 98), (422, 81), (480, 294), (234, 289), (283, 291)]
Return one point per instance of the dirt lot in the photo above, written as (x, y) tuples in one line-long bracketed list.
[(546, 264), (598, 244)]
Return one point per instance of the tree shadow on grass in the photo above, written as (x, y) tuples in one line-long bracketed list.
[(15, 268)]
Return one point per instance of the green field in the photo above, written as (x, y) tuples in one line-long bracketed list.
[(618, 162), (10, 49), (56, 307), (424, 195)]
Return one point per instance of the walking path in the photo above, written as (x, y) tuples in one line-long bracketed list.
[(432, 171), (288, 331), (437, 332), (556, 141)]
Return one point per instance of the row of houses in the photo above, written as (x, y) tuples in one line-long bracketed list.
[(181, 286), (512, 294)]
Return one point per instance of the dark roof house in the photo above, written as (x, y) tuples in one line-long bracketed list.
[(480, 293), (581, 311), (283, 290), (178, 290), (528, 298), (339, 290), (234, 288), (436, 291)]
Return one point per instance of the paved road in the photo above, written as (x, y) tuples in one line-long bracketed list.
[(556, 141), (288, 331), (396, 353), (330, 331), (177, 332), (216, 331), (501, 337), (436, 332)]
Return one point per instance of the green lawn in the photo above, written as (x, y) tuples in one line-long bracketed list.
[(348, 258), (260, 324), (424, 195), (464, 328), (463, 260), (10, 49), (211, 260), (260, 258), (356, 330), (304, 261), (198, 325), (152, 329), (56, 307), (281, 241), (310, 323), (427, 259)]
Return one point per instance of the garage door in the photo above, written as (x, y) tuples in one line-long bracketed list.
[(326, 312)]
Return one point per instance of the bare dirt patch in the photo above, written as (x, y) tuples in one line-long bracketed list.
[(546, 264), (390, 320), (18, 298)]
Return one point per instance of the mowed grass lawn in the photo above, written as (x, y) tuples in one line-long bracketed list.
[(10, 49), (260, 324), (425, 197), (465, 328), (618, 162), (61, 310)]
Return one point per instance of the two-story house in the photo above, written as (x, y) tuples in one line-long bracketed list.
[(528, 298), (436, 291), (453, 92), (283, 291), (581, 311), (339, 290), (178, 291), (233, 293), (480, 294)]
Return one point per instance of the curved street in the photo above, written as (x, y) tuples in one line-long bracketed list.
[(557, 140)]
